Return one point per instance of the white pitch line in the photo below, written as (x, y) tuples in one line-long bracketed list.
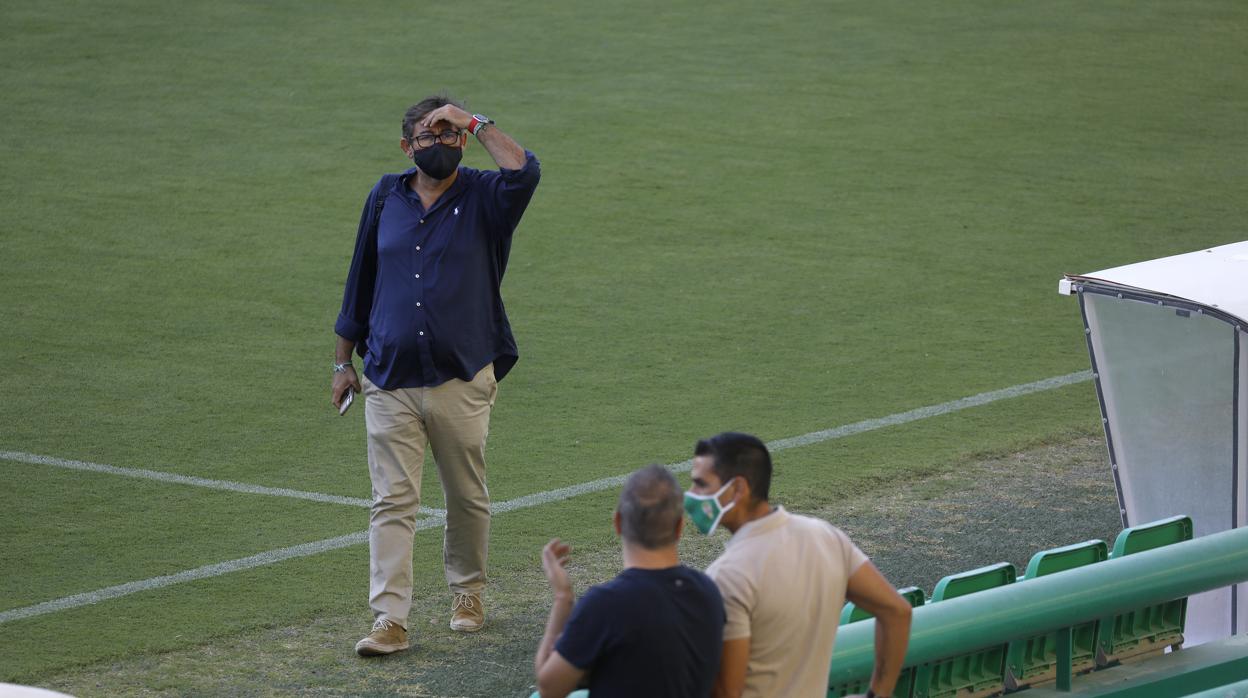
[(227, 485), (932, 411), (157, 475), (525, 502), (814, 437), (215, 570)]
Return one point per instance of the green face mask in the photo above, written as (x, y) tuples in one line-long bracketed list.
[(705, 510)]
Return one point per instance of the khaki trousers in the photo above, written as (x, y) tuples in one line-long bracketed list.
[(454, 420)]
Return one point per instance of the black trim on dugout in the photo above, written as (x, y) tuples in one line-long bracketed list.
[(1235, 472), (1100, 398), (1123, 292)]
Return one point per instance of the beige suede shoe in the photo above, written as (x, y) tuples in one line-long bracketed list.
[(468, 613), (387, 637)]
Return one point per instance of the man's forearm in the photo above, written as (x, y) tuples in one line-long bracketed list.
[(559, 612), (342, 350), (506, 152), (892, 637)]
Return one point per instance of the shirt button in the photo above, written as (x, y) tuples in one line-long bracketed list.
[(418, 276), (422, 221), (417, 304), (418, 248), (422, 334)]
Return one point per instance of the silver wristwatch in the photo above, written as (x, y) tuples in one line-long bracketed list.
[(342, 368), (478, 123)]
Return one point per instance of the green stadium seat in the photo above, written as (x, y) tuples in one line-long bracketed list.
[(1034, 660), (853, 614), (1152, 628), (978, 673)]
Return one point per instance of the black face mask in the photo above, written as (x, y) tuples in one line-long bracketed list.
[(438, 161)]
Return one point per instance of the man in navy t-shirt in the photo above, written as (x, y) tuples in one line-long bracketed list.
[(654, 630)]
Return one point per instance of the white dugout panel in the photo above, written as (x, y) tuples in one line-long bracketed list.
[(1169, 348)]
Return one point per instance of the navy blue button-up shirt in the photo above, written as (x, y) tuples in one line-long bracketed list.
[(422, 299)]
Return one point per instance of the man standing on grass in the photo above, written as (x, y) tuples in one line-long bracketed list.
[(784, 579), (655, 630), (422, 306)]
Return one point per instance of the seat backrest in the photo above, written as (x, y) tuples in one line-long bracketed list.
[(1151, 535), (977, 673), (1066, 557), (964, 583), (852, 614), (1150, 629), (1032, 660)]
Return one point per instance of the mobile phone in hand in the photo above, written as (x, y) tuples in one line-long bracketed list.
[(346, 401)]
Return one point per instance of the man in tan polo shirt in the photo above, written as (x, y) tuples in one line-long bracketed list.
[(784, 579)]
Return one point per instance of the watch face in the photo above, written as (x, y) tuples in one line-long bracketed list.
[(483, 119)]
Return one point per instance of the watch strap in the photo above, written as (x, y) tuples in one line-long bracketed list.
[(479, 122)]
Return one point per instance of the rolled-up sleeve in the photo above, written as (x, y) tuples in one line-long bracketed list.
[(512, 190), (357, 296)]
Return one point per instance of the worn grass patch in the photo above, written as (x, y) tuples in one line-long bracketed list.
[(995, 510)]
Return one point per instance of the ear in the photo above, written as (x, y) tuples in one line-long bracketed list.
[(406, 147), (742, 496), (463, 141), (619, 529)]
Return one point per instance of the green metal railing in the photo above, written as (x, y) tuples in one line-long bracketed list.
[(1238, 689), (1056, 602)]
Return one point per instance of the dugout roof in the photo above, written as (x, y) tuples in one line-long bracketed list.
[(1216, 278)]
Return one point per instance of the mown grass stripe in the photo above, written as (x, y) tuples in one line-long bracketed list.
[(525, 502)]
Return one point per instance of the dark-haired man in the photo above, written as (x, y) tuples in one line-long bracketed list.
[(655, 630), (784, 579), (422, 306)]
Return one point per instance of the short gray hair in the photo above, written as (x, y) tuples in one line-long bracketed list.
[(650, 508)]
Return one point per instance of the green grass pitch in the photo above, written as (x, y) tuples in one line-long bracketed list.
[(775, 217)]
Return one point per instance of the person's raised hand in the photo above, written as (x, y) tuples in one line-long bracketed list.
[(554, 559), (449, 113)]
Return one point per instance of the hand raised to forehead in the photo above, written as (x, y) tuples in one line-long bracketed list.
[(449, 113)]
